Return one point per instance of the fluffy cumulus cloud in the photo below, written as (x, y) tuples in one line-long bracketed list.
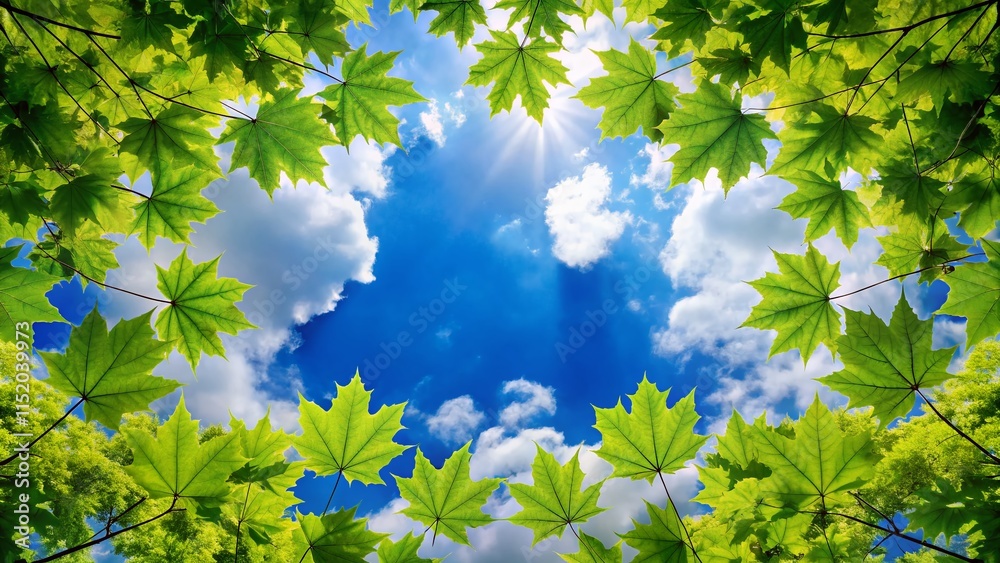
[(718, 243), (582, 226), (531, 400), (298, 251), (455, 420), (508, 451)]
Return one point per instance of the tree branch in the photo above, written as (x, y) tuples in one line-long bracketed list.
[(896, 277), (968, 438), (6, 5), (42, 435)]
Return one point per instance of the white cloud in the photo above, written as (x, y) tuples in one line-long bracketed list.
[(583, 228), (298, 251), (362, 169), (534, 399), (431, 124), (432, 121), (455, 420), (658, 172)]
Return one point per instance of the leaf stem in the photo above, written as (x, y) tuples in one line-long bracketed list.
[(42, 435), (898, 534), (583, 543), (239, 523), (968, 438), (907, 28), (100, 283), (896, 277), (110, 535), (340, 475), (669, 70), (690, 542)]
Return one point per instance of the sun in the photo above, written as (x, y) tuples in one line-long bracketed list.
[(560, 132)]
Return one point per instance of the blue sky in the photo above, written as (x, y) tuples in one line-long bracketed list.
[(486, 247)]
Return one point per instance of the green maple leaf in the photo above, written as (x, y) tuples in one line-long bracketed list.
[(555, 499), (317, 31), (175, 137), (362, 99), (796, 303), (591, 7), (856, 15), (593, 551), (22, 295), (686, 20), (714, 132), (403, 551), (884, 365), (819, 464), (541, 15), (86, 251), (261, 498), (961, 82), (774, 33), (640, 10), (921, 195), (447, 499), (174, 204), (346, 438), (285, 136), (337, 536), (662, 540), (152, 26), (736, 445), (651, 439), (918, 246), (175, 465), (517, 70), (19, 201), (262, 445), (223, 45), (835, 138), (84, 198), (631, 94), (355, 10), (975, 295), (736, 498), (111, 372), (731, 65), (458, 16), (413, 5), (979, 191), (942, 511), (201, 306), (827, 206)]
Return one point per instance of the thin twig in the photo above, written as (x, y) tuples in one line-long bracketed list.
[(907, 28), (42, 435), (968, 438), (6, 5), (108, 536), (896, 277)]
